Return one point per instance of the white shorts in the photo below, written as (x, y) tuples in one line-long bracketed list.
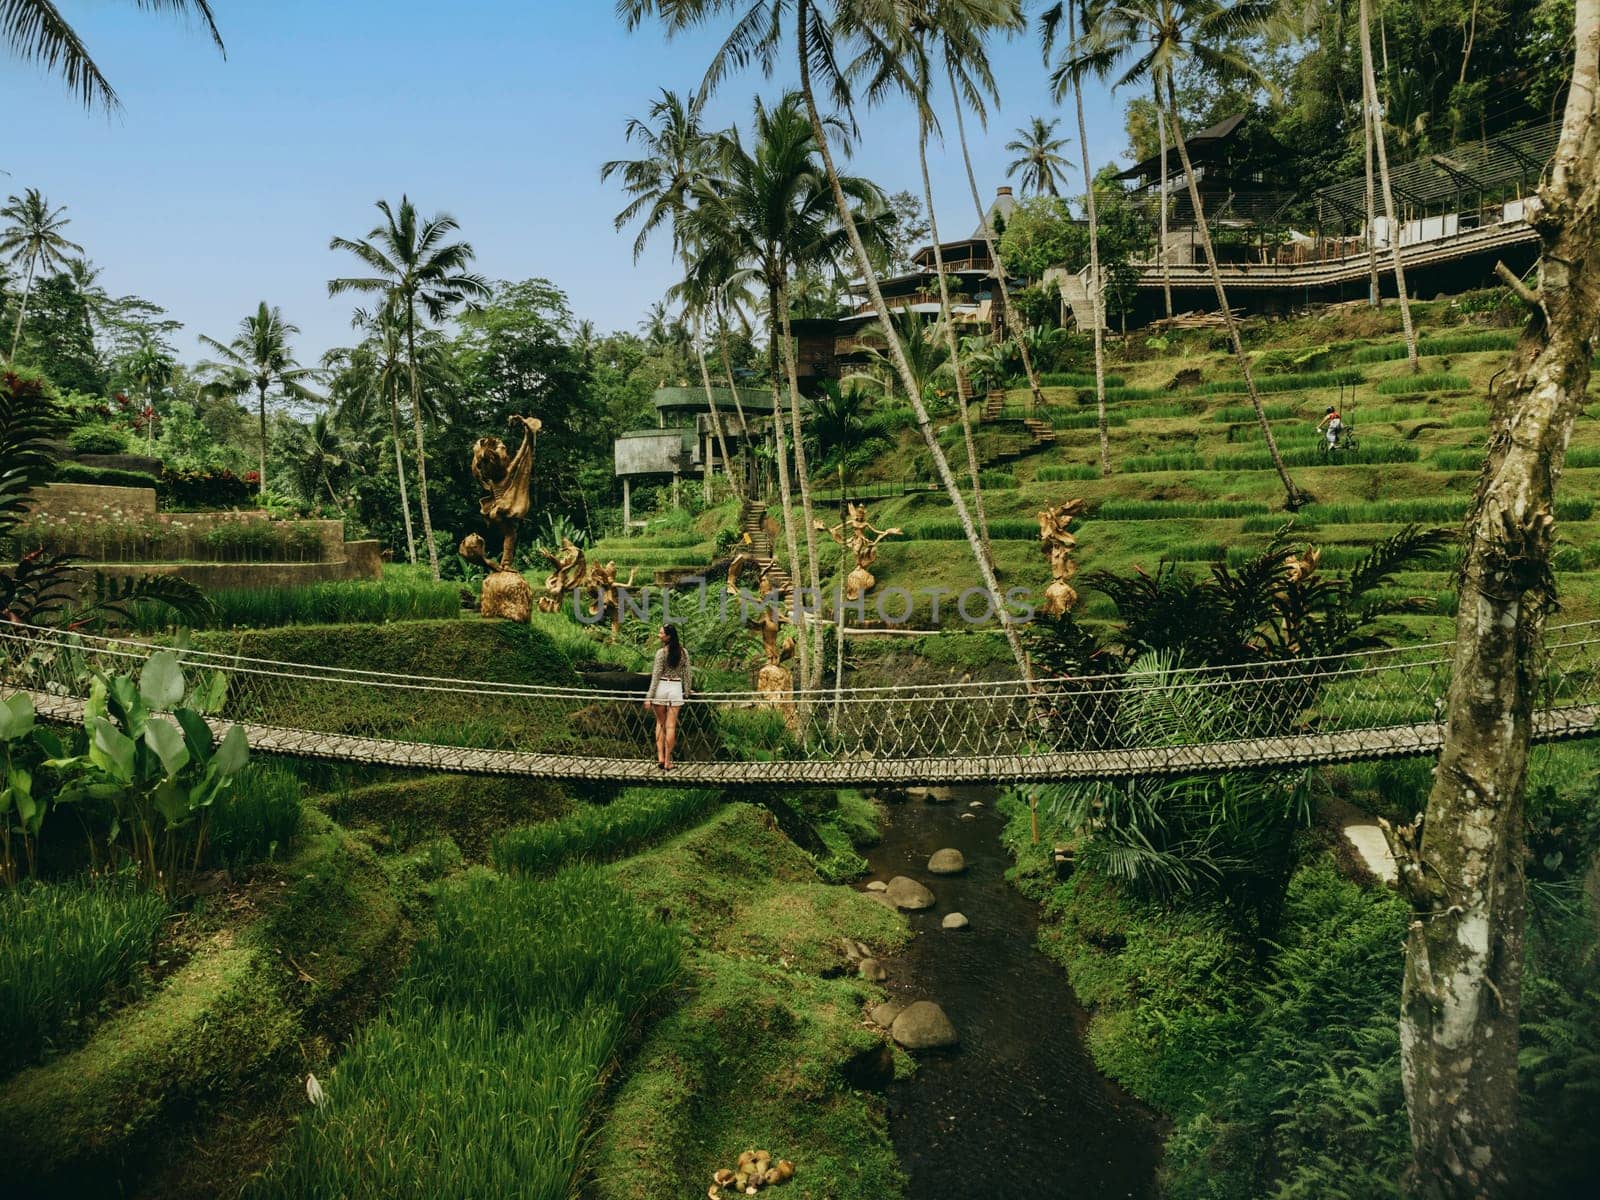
[(670, 693)]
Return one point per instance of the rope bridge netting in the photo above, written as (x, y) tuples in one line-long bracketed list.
[(1164, 720)]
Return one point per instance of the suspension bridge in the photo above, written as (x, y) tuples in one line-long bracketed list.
[(1377, 704)]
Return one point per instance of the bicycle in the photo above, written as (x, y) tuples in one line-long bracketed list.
[(1344, 442)]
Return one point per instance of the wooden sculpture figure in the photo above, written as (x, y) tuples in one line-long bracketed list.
[(1059, 544), (506, 478), (505, 594), (568, 575), (773, 681), (855, 535), (603, 579)]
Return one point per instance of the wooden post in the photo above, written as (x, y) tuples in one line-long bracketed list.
[(627, 508), (1033, 813)]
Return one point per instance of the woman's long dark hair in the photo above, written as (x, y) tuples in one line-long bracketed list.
[(674, 647)]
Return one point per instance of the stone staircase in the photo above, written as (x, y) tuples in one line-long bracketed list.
[(1074, 288), (1041, 432), (753, 527)]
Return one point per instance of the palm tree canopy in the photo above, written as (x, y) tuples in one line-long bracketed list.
[(1151, 39), (658, 182), (259, 357), (1039, 160), (32, 234), (35, 31), (414, 261)]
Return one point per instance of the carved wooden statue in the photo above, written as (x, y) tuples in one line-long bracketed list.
[(505, 594), (1059, 544), (568, 575), (603, 579), (855, 534), (506, 478)]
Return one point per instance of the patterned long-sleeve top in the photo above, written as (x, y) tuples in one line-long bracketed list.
[(661, 671)]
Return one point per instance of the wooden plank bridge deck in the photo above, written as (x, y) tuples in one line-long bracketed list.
[(1290, 750)]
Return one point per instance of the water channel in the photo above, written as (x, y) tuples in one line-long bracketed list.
[(1019, 1103)]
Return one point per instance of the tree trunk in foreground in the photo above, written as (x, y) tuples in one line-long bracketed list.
[(1371, 231), (947, 319), (785, 496), (993, 245), (711, 403), (897, 352), (802, 472), (400, 474), (22, 309), (1097, 284), (1369, 86), (1166, 263), (1462, 871), (422, 453), (1294, 498), (261, 429)]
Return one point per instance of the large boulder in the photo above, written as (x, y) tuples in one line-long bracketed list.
[(885, 1013), (907, 893), (923, 1026), (947, 862), (954, 921)]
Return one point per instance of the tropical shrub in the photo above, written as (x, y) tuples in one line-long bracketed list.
[(98, 439)]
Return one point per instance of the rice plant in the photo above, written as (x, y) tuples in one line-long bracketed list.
[(1086, 420), (1138, 464), (1117, 394), (66, 948), (363, 602), (1166, 510), (1064, 474), (1076, 379), (1143, 411), (1369, 454), (1472, 418), (939, 529), (255, 820), (1272, 522), (1235, 413), (1196, 552), (1461, 343), (1584, 456), (1441, 511), (596, 832), (1302, 382), (1457, 460), (482, 1078), (1437, 381), (997, 479)]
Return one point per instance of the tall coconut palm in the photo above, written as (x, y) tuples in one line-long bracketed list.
[(32, 239), (35, 31), (1039, 162), (259, 358), (768, 205), (1097, 284), (758, 35), (899, 56), (414, 266), (1158, 36), (1374, 123), (658, 184)]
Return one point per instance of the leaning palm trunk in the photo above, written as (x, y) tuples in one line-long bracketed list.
[(261, 429), (1008, 314), (802, 473), (898, 354), (1166, 262), (400, 474), (785, 495), (1097, 284), (422, 454), (1373, 282), (1369, 91), (1463, 870), (738, 407), (1293, 496), (711, 403), (22, 308), (946, 317)]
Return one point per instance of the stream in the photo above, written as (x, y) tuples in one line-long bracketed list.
[(1019, 1102)]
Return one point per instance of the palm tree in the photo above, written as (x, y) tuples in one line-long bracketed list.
[(768, 205), (1374, 126), (674, 150), (413, 266), (899, 57), (757, 36), (34, 31), (1038, 160), (321, 454), (259, 357), (32, 238), (1159, 35), (1097, 285), (150, 367)]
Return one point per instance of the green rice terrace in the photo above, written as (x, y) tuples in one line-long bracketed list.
[(638, 660)]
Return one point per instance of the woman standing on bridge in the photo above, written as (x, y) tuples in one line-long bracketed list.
[(669, 687)]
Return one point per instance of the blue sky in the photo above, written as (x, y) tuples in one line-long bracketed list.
[(220, 181)]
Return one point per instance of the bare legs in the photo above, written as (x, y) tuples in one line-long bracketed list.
[(666, 732)]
